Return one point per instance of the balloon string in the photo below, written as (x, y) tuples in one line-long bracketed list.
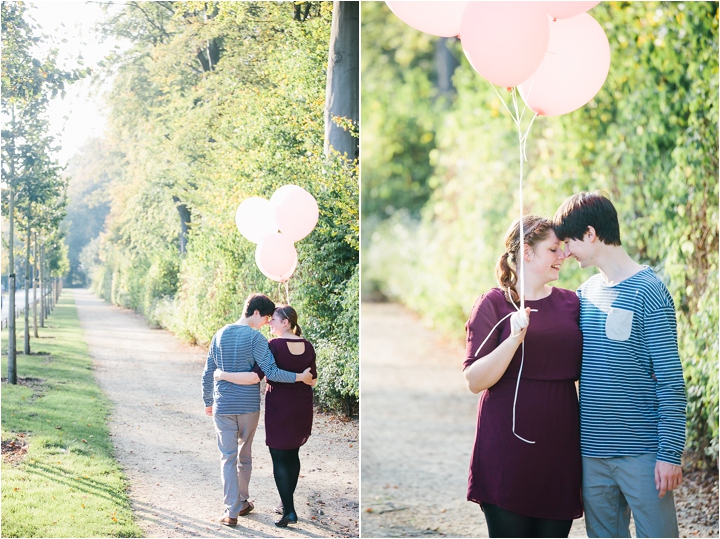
[(522, 146), (517, 387), (517, 383), (287, 293)]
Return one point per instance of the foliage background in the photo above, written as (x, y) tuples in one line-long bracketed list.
[(440, 174), (213, 103)]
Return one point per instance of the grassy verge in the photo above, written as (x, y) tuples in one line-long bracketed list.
[(66, 483)]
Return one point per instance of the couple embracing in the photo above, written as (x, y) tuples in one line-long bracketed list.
[(238, 358), (540, 458)]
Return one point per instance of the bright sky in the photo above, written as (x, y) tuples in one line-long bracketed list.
[(80, 115)]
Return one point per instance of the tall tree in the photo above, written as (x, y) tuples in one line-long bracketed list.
[(27, 84), (342, 99)]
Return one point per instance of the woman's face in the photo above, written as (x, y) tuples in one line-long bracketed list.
[(278, 325), (546, 258)]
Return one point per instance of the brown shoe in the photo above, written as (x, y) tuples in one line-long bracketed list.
[(228, 521), (243, 512)]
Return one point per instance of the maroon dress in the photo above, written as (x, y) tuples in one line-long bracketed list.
[(289, 407), (541, 480)]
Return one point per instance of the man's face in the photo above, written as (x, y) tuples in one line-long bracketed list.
[(259, 320), (579, 250)]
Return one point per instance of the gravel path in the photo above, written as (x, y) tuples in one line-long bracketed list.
[(166, 444)]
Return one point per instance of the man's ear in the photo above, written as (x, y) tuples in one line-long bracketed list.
[(591, 234), (256, 313)]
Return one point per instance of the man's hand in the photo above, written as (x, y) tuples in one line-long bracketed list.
[(208, 410), (667, 476), (217, 375), (305, 377)]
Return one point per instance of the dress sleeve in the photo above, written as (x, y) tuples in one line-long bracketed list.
[(483, 318)]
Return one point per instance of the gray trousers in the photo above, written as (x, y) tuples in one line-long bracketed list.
[(235, 434), (613, 487)]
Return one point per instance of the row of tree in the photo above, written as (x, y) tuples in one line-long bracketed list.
[(213, 102), (440, 173), (34, 189)]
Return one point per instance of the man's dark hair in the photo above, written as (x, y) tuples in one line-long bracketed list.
[(582, 210), (259, 302)]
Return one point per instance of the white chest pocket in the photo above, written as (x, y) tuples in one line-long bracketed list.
[(618, 325)]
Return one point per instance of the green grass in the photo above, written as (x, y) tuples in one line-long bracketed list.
[(68, 484)]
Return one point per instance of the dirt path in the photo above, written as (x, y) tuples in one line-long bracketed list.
[(418, 426), (166, 445)]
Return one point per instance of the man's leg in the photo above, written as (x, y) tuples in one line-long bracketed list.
[(226, 429), (607, 513), (654, 516), (247, 424)]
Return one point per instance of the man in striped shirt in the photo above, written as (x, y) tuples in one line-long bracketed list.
[(632, 391), (236, 408)]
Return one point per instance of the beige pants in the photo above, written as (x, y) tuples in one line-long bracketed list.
[(235, 434)]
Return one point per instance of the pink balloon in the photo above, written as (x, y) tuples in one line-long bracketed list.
[(505, 41), (255, 219), (574, 69), (276, 257), (436, 18), (296, 211), (565, 10)]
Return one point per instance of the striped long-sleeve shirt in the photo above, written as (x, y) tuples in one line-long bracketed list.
[(632, 391), (237, 348)]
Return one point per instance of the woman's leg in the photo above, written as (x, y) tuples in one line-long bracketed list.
[(504, 523), (545, 527), (294, 455), (286, 474)]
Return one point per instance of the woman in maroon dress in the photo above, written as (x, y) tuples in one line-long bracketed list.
[(525, 469), (288, 407)]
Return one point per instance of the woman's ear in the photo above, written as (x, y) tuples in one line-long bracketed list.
[(528, 253)]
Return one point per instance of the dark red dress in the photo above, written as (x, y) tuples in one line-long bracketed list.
[(289, 407), (541, 480)]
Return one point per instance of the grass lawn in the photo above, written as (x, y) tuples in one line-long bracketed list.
[(59, 477)]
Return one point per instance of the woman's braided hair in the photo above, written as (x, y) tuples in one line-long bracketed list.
[(535, 229)]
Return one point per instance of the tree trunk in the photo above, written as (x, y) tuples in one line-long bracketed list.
[(12, 352), (35, 286), (343, 79), (185, 219), (446, 63), (43, 301), (27, 287)]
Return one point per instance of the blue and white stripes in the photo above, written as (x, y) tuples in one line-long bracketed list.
[(236, 348), (632, 391)]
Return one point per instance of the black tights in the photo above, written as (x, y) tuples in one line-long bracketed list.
[(504, 523), (286, 469)]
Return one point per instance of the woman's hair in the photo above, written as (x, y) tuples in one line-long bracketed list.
[(288, 313), (535, 229)]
